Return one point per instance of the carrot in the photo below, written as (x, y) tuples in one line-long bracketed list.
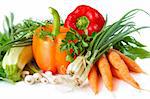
[(105, 71), (93, 79), (131, 64), (123, 71), (116, 73)]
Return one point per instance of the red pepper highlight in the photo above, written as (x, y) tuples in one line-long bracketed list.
[(85, 18)]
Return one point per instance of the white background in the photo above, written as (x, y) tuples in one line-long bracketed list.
[(38, 9)]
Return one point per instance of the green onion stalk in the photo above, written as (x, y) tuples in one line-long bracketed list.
[(101, 43)]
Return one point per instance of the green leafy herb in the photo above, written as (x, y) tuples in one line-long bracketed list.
[(132, 48), (2, 72), (20, 34), (4, 39), (75, 44), (44, 34)]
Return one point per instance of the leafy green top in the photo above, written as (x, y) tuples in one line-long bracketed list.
[(75, 44), (132, 48)]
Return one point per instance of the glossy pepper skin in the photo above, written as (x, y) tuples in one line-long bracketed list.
[(85, 17), (46, 51)]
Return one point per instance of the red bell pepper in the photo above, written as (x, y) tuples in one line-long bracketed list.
[(85, 18)]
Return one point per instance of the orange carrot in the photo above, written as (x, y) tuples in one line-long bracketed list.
[(93, 78), (105, 71), (116, 73), (123, 71), (131, 64)]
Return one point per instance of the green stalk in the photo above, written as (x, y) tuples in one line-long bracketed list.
[(56, 22), (96, 37), (116, 39), (106, 39), (113, 34)]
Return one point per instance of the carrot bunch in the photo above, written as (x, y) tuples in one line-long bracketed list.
[(114, 64)]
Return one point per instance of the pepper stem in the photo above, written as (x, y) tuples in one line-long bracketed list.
[(56, 21), (82, 23)]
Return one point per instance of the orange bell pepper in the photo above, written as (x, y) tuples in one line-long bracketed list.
[(60, 56), (46, 51)]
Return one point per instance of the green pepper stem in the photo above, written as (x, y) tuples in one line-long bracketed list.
[(82, 23), (56, 22)]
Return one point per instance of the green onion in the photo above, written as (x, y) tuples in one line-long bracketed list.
[(106, 39)]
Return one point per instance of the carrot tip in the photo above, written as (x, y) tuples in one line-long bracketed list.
[(147, 90), (146, 73)]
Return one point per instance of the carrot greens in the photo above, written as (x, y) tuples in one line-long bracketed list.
[(104, 40)]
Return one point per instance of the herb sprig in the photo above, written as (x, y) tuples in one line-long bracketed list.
[(75, 44)]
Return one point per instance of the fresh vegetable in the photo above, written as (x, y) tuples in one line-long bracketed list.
[(104, 40), (3, 40), (104, 68), (86, 48), (93, 79), (15, 60), (132, 48), (131, 64), (60, 58), (76, 67), (44, 80), (2, 71), (116, 73), (32, 67), (85, 18), (37, 77), (44, 52), (15, 49), (29, 79), (75, 44), (122, 68), (17, 35), (25, 73), (129, 80), (46, 46)]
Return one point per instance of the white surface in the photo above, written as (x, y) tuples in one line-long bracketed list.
[(37, 9)]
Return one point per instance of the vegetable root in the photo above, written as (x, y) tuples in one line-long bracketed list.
[(114, 65), (123, 71), (131, 64), (93, 78), (105, 71), (127, 79)]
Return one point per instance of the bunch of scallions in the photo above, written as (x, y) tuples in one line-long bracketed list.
[(101, 43)]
